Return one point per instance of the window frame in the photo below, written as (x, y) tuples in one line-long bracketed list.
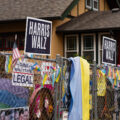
[(87, 6), (94, 44), (65, 44), (4, 37), (96, 9), (91, 7)]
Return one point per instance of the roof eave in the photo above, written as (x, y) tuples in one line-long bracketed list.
[(67, 11), (88, 30), (19, 20)]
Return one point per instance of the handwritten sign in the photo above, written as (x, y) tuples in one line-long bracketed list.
[(22, 74)]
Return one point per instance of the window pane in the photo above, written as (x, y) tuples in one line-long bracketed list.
[(71, 54), (71, 43), (95, 4), (7, 40), (89, 55), (88, 42), (21, 41), (88, 3)]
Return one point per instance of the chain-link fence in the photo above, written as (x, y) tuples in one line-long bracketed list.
[(44, 101), (42, 98), (105, 92)]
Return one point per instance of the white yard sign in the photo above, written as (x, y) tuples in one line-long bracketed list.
[(45, 66), (22, 74)]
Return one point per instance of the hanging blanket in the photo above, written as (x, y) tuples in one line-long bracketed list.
[(79, 88)]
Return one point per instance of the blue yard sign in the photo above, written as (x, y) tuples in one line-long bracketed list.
[(38, 36)]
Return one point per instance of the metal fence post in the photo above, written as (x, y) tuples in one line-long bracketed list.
[(56, 90), (94, 88), (60, 87), (116, 103)]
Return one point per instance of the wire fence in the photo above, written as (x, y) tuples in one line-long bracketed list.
[(45, 101), (40, 99)]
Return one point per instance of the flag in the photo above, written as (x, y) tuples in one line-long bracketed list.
[(45, 78), (16, 54), (30, 55), (58, 74), (36, 67), (8, 63)]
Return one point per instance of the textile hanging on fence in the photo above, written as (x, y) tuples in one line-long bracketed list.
[(35, 67), (8, 63), (66, 84), (113, 75), (101, 83), (45, 79), (85, 77), (79, 88), (75, 109)]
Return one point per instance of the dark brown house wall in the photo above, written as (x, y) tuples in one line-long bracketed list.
[(18, 26), (117, 37)]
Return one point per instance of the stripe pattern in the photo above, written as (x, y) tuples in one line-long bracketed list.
[(16, 54)]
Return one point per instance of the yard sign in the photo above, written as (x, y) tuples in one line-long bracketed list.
[(38, 36), (109, 51), (22, 74)]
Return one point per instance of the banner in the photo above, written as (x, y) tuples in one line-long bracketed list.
[(109, 51), (22, 74), (38, 36), (21, 113)]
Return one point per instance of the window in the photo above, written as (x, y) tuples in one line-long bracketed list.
[(95, 5), (88, 4), (88, 47), (71, 45), (100, 46), (92, 4), (7, 40)]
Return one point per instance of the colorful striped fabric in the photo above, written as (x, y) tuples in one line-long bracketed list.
[(36, 67), (8, 63), (45, 79)]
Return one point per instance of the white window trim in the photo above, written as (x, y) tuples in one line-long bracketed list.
[(87, 6), (94, 44), (99, 44), (96, 9), (65, 44)]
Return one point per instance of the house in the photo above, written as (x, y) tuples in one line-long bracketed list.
[(67, 16)]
